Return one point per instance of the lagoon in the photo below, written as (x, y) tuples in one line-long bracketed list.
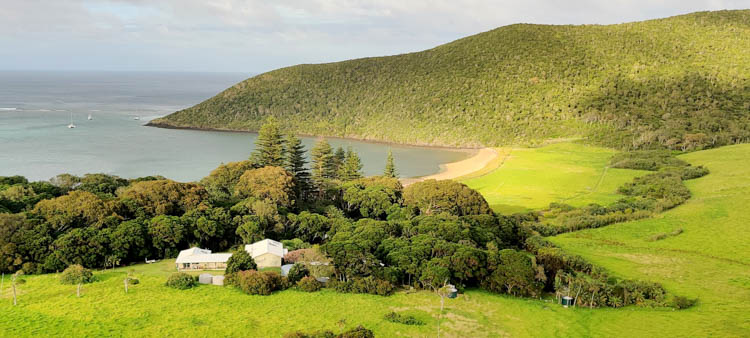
[(36, 108)]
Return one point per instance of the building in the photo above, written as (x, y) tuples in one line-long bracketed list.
[(266, 253), (201, 259)]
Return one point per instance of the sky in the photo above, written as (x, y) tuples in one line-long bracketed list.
[(255, 36)]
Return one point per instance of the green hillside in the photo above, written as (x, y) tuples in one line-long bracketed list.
[(681, 82)]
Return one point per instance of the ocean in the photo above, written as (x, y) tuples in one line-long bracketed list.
[(37, 107)]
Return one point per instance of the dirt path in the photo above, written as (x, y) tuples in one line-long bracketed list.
[(461, 168)]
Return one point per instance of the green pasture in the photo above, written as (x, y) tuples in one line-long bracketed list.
[(709, 260), (532, 178)]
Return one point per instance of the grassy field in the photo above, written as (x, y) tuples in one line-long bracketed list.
[(532, 178), (710, 261)]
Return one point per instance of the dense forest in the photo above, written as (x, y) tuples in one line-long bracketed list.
[(368, 234), (681, 83)]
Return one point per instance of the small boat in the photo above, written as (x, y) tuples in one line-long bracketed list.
[(90, 117), (137, 118), (71, 125)]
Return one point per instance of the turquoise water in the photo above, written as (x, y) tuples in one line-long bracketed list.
[(36, 108)]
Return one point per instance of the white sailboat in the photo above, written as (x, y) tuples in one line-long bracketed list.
[(71, 125), (90, 117)]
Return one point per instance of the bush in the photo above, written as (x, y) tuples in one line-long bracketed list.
[(317, 334), (657, 237), (394, 317), (357, 332), (646, 160), (680, 302), (255, 282), (133, 281), (297, 272), (689, 172), (76, 274), (240, 261), (309, 284), (369, 284), (181, 281)]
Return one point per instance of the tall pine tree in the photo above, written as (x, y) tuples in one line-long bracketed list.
[(351, 168), (295, 164), (323, 163), (269, 147), (390, 167), (338, 160)]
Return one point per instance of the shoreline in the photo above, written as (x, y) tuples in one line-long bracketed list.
[(415, 145), (462, 168), (479, 159)]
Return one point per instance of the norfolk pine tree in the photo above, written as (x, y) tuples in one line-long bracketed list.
[(323, 163), (338, 159), (269, 147), (351, 168), (295, 164), (390, 167)]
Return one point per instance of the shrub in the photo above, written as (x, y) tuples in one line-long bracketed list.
[(240, 261), (341, 286), (181, 281), (76, 274), (373, 286), (297, 272), (309, 284), (255, 282), (394, 317), (369, 284), (689, 172), (646, 160), (133, 281), (680, 302), (657, 237), (317, 334), (296, 255), (357, 332)]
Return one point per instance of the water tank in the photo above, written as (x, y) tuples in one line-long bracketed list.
[(205, 278), (218, 280)]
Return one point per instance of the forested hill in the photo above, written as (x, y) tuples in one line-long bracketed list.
[(681, 82)]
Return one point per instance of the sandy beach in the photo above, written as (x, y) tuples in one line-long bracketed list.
[(461, 168)]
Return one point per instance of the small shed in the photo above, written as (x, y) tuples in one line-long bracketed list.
[(205, 278), (218, 280)]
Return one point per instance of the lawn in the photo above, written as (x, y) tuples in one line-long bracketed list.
[(532, 178), (710, 261)]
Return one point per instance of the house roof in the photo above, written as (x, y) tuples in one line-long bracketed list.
[(265, 246), (198, 255)]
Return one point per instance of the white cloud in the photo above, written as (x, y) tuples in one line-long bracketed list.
[(255, 35)]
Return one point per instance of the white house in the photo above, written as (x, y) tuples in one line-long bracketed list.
[(201, 259), (266, 253)]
